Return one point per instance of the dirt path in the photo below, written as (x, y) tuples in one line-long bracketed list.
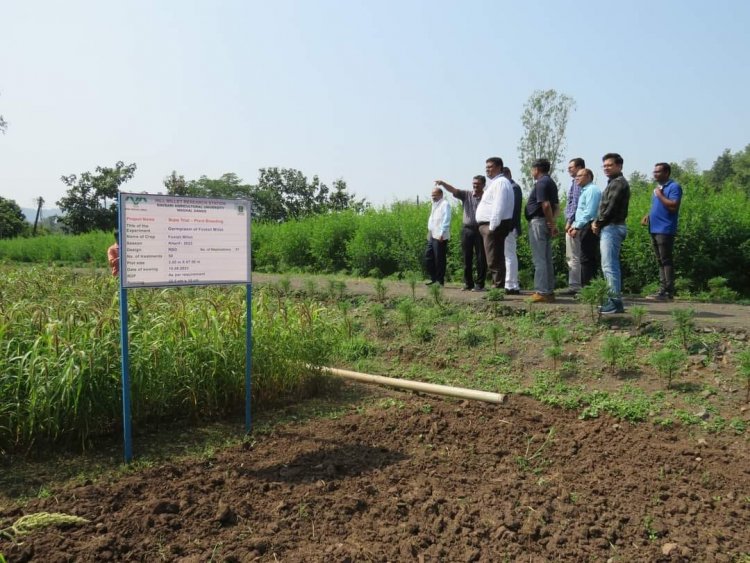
[(726, 316), (420, 479)]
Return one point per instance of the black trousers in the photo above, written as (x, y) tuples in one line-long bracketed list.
[(663, 248), (586, 243), (494, 248), (435, 258), (472, 245)]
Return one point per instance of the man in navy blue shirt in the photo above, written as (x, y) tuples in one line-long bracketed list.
[(662, 224), (541, 210)]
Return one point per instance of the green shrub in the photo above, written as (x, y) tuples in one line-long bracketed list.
[(357, 348), (705, 246), (89, 248), (424, 333)]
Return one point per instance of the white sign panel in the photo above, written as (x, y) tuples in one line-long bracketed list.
[(170, 240)]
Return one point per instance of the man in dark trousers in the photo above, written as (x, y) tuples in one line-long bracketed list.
[(438, 233), (586, 243), (471, 241), (662, 224)]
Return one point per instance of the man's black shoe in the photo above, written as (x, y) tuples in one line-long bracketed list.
[(512, 292), (429, 282)]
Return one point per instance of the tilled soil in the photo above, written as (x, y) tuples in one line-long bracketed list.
[(415, 478)]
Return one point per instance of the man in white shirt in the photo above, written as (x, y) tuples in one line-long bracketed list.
[(438, 233), (495, 218)]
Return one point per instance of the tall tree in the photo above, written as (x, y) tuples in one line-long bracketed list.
[(91, 200), (741, 169), (340, 199), (286, 193), (228, 186), (176, 185), (12, 220), (544, 119), (721, 171)]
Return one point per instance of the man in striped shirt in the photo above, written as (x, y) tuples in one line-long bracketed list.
[(471, 241)]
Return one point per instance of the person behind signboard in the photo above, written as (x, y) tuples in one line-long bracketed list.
[(113, 255)]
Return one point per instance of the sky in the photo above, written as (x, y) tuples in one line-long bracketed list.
[(388, 95)]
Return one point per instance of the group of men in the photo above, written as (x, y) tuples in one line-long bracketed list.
[(595, 229)]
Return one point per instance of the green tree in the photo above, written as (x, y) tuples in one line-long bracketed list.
[(281, 193), (741, 169), (721, 171), (228, 186), (544, 119), (12, 220), (176, 185), (286, 193), (91, 200)]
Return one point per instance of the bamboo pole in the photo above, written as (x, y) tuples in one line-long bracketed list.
[(435, 389)]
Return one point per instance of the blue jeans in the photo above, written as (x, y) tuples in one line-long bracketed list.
[(609, 246)]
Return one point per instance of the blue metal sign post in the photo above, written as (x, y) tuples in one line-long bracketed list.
[(249, 359), (175, 251)]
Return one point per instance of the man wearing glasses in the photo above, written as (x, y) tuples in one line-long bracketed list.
[(586, 243), (610, 225)]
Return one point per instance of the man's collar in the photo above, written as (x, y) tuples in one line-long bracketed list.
[(669, 181)]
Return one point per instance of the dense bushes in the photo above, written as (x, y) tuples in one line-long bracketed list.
[(78, 249), (713, 241), (713, 238)]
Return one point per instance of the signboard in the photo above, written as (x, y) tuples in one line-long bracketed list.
[(170, 240)]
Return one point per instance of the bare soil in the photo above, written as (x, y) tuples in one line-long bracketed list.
[(413, 478), (408, 477)]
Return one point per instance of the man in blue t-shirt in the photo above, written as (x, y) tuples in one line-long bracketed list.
[(662, 224)]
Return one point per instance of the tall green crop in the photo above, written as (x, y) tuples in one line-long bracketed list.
[(60, 352)]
